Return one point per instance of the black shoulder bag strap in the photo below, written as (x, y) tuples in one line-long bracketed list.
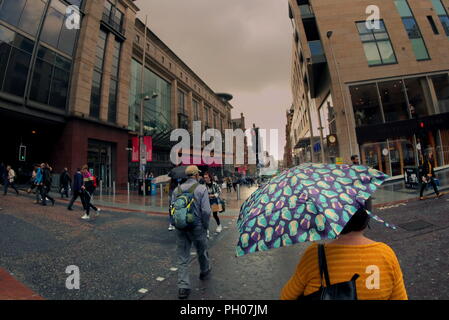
[(323, 265)]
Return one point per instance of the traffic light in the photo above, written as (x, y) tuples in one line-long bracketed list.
[(421, 125), (22, 153)]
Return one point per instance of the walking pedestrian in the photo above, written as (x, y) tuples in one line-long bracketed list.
[(214, 191), (350, 255), (228, 184), (190, 200), (235, 181), (88, 189), (46, 184), (10, 181), (428, 175), (33, 179), (38, 183), (3, 175), (76, 189), (64, 183)]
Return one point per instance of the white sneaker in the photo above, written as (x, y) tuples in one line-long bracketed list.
[(85, 217), (171, 227), (219, 229), (98, 212)]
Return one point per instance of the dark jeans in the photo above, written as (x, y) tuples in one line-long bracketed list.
[(424, 185), (64, 190), (44, 194), (86, 199), (216, 218), (10, 184), (75, 196)]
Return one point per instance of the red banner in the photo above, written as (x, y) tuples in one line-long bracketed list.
[(135, 153), (148, 141)]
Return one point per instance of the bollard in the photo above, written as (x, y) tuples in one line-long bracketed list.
[(101, 188), (113, 188), (162, 191), (144, 188), (128, 188), (238, 191)]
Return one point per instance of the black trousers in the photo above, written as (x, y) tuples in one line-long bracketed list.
[(64, 191), (434, 185), (216, 218), (86, 198), (10, 184), (75, 196), (44, 194)]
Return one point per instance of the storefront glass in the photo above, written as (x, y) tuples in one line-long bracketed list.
[(418, 96), (365, 101), (441, 85), (393, 100)]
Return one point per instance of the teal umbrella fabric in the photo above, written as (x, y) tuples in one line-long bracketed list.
[(310, 202)]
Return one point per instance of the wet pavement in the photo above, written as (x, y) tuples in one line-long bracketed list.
[(119, 253)]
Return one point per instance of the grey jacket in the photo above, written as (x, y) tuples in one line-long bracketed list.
[(201, 206)]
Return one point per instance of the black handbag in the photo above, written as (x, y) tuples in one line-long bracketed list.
[(339, 291)]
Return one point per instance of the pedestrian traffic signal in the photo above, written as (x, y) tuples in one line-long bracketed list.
[(421, 125), (22, 153)]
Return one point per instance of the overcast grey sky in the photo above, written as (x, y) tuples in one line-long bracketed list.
[(242, 47)]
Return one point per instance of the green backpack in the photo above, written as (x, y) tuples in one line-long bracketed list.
[(181, 210)]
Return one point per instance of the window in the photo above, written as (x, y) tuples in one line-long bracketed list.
[(113, 87), (196, 110), (50, 79), (15, 58), (377, 45), (24, 14), (432, 25), (412, 28), (97, 76), (365, 101), (418, 96), (442, 15), (393, 99), (441, 85), (113, 16), (54, 31), (181, 102)]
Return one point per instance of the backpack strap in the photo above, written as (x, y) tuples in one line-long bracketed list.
[(192, 188), (323, 265)]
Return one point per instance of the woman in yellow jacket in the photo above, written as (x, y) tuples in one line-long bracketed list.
[(375, 262)]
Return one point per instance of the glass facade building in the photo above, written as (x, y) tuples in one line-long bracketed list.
[(36, 50)]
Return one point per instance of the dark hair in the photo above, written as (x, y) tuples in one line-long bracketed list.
[(354, 156), (358, 222)]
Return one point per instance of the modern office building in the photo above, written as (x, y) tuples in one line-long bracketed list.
[(377, 90), (71, 95)]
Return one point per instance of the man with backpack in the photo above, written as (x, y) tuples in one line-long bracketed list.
[(88, 189), (190, 213)]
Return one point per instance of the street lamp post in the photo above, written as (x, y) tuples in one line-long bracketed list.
[(329, 35)]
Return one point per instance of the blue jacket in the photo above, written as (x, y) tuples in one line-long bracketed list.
[(38, 178), (77, 181)]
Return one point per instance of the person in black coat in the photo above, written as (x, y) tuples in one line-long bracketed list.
[(46, 185), (64, 183), (76, 188), (428, 175)]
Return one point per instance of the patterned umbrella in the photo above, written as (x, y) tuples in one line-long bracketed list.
[(310, 202)]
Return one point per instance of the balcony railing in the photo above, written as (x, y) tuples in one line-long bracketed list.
[(112, 22)]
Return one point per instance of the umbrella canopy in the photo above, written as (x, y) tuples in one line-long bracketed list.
[(310, 202), (162, 179), (178, 173)]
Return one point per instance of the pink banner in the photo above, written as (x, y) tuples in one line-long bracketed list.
[(148, 141), (135, 153)]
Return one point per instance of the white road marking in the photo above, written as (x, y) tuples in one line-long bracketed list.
[(160, 279), (173, 269), (143, 290)]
